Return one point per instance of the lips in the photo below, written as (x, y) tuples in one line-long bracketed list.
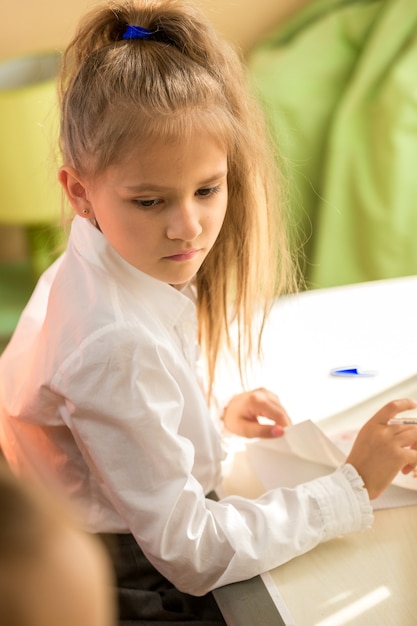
[(185, 255)]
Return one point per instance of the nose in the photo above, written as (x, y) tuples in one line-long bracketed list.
[(184, 222)]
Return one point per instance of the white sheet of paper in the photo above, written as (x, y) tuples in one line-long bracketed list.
[(305, 453)]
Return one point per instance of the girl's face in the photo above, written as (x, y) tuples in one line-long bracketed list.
[(162, 207)]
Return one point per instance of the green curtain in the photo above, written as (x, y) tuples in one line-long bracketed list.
[(339, 85)]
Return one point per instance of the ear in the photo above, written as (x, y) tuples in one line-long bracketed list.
[(76, 191)]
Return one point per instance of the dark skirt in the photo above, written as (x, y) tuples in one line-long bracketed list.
[(146, 597)]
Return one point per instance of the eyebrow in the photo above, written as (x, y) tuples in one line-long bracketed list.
[(156, 187)]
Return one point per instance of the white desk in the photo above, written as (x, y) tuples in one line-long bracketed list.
[(363, 579)]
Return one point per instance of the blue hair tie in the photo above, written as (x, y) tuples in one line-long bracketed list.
[(136, 32)]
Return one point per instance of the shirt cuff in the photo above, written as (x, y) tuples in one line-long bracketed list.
[(351, 510)]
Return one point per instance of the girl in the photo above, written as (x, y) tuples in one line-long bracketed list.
[(176, 234)]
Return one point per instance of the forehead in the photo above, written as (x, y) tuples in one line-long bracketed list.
[(120, 134), (170, 164)]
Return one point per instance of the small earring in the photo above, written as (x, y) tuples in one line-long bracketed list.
[(86, 211)]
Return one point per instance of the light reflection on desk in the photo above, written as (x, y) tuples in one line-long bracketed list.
[(362, 579), (356, 609)]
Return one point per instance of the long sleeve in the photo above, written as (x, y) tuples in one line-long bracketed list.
[(145, 466), (106, 405)]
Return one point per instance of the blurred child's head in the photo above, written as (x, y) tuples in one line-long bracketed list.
[(51, 573)]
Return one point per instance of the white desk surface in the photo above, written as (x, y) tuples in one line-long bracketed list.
[(371, 325), (362, 579)]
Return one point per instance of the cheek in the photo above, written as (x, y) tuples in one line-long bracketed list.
[(128, 233), (215, 218)]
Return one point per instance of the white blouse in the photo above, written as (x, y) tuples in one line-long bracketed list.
[(99, 395)]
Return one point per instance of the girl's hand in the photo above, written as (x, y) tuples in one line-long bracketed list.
[(241, 414), (380, 451)]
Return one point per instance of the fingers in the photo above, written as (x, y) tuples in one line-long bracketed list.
[(410, 467), (265, 403), (381, 450), (412, 461), (262, 431), (390, 410), (256, 413), (403, 435), (406, 436)]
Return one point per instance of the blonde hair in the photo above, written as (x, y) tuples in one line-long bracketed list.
[(117, 92)]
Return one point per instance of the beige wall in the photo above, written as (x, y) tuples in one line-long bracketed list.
[(28, 26), (31, 25)]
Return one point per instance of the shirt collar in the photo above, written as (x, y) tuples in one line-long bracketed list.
[(166, 302)]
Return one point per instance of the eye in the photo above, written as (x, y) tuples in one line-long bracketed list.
[(207, 191), (146, 204)]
